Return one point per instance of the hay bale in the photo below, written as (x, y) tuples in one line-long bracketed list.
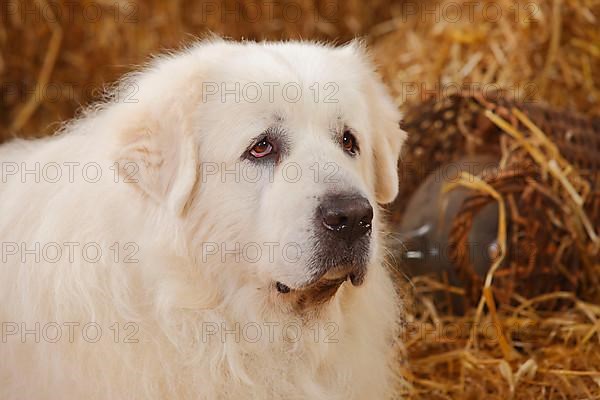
[(58, 55), (534, 50)]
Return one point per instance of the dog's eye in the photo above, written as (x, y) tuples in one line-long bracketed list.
[(349, 143), (261, 149)]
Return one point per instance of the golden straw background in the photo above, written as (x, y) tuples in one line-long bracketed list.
[(57, 56)]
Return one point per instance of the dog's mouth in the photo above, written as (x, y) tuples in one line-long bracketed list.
[(326, 285)]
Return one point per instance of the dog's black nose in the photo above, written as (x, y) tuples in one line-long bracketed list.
[(349, 217)]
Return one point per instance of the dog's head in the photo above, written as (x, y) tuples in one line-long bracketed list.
[(273, 157)]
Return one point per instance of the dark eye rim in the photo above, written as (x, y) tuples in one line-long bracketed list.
[(264, 138), (273, 136), (259, 142), (355, 150)]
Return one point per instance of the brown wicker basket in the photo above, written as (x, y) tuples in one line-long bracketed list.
[(548, 177)]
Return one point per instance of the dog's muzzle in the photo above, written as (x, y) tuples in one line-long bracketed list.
[(343, 225)]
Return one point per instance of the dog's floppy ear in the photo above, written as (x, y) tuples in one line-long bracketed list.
[(387, 137), (387, 143), (159, 157)]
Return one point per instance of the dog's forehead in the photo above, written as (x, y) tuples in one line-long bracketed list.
[(288, 63), (331, 83)]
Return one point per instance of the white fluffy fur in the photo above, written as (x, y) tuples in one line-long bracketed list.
[(171, 133)]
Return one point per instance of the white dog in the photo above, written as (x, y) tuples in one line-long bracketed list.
[(210, 231)]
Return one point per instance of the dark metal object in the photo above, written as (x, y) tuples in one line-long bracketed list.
[(424, 245)]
